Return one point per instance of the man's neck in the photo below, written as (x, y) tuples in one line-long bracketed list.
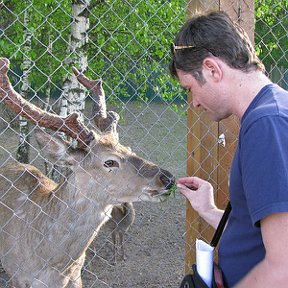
[(247, 86)]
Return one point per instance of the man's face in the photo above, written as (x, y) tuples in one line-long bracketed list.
[(205, 95)]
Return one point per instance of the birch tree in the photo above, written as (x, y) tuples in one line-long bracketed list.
[(73, 96), (22, 154), (73, 93)]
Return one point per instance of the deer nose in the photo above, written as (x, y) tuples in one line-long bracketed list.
[(167, 179)]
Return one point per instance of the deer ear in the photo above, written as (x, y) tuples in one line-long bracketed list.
[(53, 148)]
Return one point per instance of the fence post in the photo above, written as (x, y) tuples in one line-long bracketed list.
[(206, 157)]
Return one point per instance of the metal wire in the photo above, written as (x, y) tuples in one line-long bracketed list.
[(127, 44)]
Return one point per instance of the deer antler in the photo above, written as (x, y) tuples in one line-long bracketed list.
[(106, 121), (70, 125)]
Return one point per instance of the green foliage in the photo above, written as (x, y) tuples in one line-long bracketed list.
[(271, 31), (132, 51), (128, 43), (48, 23), (171, 192)]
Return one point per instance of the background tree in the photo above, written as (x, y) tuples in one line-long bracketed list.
[(128, 41), (271, 31), (22, 154), (73, 93), (128, 45)]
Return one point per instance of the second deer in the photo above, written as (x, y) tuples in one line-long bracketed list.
[(121, 219), (46, 228)]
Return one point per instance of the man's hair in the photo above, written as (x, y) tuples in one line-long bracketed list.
[(212, 34)]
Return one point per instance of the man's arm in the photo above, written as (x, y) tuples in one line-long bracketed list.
[(272, 271)]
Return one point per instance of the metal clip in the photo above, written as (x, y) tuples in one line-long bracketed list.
[(222, 140)]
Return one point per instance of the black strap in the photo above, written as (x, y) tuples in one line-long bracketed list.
[(221, 226)]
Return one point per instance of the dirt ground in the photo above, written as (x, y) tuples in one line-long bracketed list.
[(155, 243)]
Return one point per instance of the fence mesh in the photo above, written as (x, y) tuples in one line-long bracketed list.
[(127, 45)]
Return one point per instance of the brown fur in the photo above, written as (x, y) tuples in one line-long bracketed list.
[(46, 228)]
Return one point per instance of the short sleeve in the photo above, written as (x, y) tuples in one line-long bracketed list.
[(264, 165)]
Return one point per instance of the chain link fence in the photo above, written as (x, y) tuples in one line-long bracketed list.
[(127, 45)]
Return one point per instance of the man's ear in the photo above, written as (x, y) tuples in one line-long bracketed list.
[(212, 69)]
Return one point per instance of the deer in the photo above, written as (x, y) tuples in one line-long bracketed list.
[(46, 227), (121, 219)]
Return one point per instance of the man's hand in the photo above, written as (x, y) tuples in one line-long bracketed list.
[(200, 195)]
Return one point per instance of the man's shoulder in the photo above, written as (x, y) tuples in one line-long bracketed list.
[(271, 102)]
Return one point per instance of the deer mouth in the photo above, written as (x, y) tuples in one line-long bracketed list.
[(165, 193), (156, 193), (162, 194)]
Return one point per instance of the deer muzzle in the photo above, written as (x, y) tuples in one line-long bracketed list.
[(166, 178)]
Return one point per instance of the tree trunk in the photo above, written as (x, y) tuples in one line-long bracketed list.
[(46, 104), (73, 93), (24, 139), (73, 96)]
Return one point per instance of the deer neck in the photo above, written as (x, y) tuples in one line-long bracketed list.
[(79, 192), (81, 216)]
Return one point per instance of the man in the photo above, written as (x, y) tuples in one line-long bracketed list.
[(214, 60)]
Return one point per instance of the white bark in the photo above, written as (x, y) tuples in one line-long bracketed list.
[(73, 95), (23, 147)]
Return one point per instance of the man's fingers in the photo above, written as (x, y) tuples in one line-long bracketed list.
[(185, 186), (182, 186)]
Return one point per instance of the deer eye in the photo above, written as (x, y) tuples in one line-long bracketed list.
[(111, 163)]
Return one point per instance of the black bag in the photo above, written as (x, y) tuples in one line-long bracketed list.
[(194, 280)]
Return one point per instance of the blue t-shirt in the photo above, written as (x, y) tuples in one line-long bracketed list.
[(258, 181)]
